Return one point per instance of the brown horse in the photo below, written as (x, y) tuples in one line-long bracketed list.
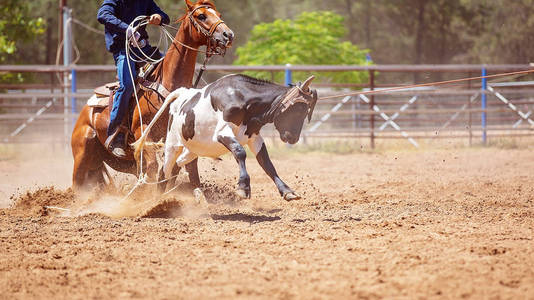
[(201, 26)]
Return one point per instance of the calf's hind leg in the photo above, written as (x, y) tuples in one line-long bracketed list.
[(179, 156), (169, 164)]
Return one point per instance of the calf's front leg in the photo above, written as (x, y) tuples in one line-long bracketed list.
[(240, 155), (257, 146)]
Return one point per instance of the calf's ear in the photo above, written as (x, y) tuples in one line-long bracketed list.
[(312, 105)]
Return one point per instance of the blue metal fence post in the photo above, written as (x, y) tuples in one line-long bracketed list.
[(289, 75), (484, 105), (74, 108)]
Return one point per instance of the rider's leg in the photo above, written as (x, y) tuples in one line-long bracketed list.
[(122, 98)]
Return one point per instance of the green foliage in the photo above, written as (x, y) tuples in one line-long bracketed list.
[(313, 38), (16, 26)]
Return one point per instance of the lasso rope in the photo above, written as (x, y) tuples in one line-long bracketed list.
[(425, 84)]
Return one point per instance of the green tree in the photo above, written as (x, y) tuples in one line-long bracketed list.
[(15, 27), (505, 31), (313, 38)]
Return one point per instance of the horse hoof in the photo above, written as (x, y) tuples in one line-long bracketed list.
[(291, 196), (242, 194), (200, 198)]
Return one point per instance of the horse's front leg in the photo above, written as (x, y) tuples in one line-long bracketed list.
[(240, 155), (257, 146)]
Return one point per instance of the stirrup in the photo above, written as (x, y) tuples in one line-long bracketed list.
[(112, 137)]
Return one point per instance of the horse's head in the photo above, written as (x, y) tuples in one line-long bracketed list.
[(292, 109), (210, 28)]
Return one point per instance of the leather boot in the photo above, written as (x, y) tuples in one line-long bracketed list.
[(117, 146)]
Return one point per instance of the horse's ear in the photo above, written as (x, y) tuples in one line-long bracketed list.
[(189, 5)]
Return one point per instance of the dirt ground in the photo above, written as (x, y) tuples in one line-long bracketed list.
[(394, 224)]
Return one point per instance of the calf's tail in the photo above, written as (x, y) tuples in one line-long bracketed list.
[(140, 143)]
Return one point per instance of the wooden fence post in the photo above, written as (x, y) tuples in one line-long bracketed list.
[(371, 106), (470, 124), (484, 106)]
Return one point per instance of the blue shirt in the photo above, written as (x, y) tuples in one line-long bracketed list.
[(116, 15)]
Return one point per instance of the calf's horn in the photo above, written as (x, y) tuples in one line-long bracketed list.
[(306, 85)]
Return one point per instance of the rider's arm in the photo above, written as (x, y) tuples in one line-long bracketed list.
[(154, 9), (107, 16)]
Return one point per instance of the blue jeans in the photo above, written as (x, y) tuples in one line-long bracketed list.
[(126, 88)]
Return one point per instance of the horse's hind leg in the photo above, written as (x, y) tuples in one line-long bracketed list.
[(86, 155), (96, 177), (80, 144)]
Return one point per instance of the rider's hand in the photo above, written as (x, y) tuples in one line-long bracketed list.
[(155, 19)]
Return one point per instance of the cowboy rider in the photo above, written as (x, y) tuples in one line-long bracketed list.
[(116, 15)]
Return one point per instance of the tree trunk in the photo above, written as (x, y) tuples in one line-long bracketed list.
[(351, 21), (368, 16), (419, 35)]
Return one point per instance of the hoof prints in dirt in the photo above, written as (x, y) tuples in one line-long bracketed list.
[(241, 217)]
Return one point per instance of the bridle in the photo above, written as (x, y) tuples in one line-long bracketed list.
[(293, 96), (208, 33)]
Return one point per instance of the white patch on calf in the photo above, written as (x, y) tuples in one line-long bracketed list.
[(209, 125)]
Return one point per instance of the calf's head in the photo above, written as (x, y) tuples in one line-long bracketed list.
[(295, 106)]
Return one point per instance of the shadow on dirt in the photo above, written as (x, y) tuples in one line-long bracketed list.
[(240, 217)]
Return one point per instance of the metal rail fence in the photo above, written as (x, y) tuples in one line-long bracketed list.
[(474, 111)]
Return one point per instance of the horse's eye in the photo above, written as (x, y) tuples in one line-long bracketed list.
[(202, 17)]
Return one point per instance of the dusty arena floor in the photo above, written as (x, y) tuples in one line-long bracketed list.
[(395, 224)]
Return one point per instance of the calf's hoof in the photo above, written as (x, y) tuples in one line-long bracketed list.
[(242, 193), (290, 196), (200, 198)]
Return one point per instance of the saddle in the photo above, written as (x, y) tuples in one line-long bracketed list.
[(104, 96)]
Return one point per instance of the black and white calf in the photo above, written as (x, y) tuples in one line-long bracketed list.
[(228, 114)]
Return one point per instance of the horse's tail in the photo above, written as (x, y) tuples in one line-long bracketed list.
[(139, 144)]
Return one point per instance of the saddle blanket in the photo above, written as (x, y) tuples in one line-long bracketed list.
[(98, 101)]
